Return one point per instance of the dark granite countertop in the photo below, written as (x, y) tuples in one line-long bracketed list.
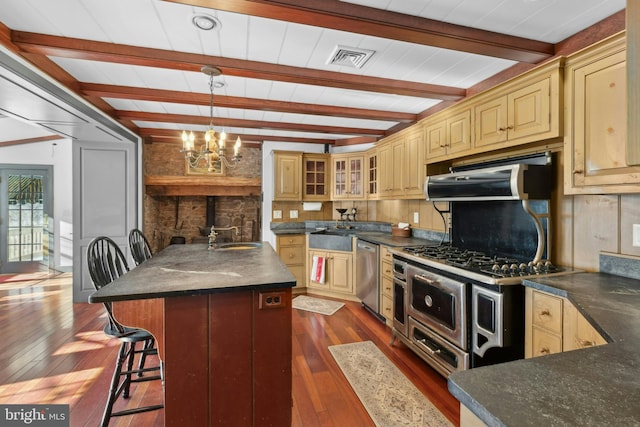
[(598, 386), (369, 231), (181, 270), (387, 239)]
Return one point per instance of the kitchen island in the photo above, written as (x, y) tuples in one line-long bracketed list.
[(597, 386), (222, 322)]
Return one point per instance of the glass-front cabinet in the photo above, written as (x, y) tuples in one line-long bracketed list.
[(372, 174), (316, 172), (348, 176)]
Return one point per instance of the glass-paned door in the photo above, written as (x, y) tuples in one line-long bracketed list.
[(25, 206)]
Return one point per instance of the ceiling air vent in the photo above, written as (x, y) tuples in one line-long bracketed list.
[(350, 56)]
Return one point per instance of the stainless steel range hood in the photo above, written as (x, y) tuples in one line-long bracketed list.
[(519, 181)]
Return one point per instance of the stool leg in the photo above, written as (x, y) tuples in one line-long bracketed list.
[(113, 389), (127, 385), (148, 345)]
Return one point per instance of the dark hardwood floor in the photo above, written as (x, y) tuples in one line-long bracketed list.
[(54, 351)]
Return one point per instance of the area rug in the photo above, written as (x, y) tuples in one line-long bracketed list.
[(389, 397), (316, 305)]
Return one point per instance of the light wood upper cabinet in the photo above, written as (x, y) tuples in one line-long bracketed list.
[(316, 177), (401, 165), (348, 176), (385, 170), (448, 135), (596, 127), (523, 110), (287, 175), (523, 114), (397, 172), (373, 174), (413, 164)]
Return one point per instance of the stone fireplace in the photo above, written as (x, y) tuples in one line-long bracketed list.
[(184, 207)]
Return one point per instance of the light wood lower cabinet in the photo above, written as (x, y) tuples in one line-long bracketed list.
[(469, 419), (291, 249), (553, 325), (386, 284), (339, 273)]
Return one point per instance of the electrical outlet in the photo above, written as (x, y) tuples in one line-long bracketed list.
[(416, 217), (636, 235), (293, 214), (271, 300), (277, 214)]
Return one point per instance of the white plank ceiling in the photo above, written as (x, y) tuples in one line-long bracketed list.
[(167, 26)]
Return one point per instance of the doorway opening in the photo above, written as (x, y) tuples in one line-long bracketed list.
[(26, 206)]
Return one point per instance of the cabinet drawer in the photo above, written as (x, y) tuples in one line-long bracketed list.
[(547, 312), (292, 255), (387, 286), (387, 307), (385, 255), (294, 239), (544, 342), (386, 269)]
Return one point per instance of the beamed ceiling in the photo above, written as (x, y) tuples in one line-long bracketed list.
[(140, 61)]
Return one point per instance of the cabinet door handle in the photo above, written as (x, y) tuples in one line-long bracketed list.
[(575, 171), (545, 313), (503, 129), (545, 350), (584, 343)]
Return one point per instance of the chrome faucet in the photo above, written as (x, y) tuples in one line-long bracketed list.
[(213, 235)]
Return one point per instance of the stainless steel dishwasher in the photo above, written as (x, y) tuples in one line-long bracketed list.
[(367, 276)]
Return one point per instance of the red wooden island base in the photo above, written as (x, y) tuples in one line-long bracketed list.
[(226, 356)]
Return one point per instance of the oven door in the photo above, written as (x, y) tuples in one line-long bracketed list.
[(400, 307), (440, 303), (440, 354)]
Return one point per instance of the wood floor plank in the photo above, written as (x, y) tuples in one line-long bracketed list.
[(54, 351)]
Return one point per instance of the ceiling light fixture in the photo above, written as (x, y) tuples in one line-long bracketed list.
[(212, 154), (205, 22)]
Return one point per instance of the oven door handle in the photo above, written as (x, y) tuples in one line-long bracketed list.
[(426, 279), (425, 343)]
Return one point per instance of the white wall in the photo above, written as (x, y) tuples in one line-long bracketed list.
[(57, 153)]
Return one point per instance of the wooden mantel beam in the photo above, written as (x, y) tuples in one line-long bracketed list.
[(169, 185)]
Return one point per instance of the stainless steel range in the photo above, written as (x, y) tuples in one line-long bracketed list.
[(460, 304)]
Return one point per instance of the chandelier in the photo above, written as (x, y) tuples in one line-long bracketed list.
[(212, 153)]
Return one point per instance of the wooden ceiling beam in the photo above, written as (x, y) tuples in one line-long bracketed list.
[(158, 95), (254, 124), (249, 140), (353, 18), (133, 55), (30, 140)]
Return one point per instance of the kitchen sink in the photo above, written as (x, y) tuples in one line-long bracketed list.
[(239, 246), (332, 239)]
